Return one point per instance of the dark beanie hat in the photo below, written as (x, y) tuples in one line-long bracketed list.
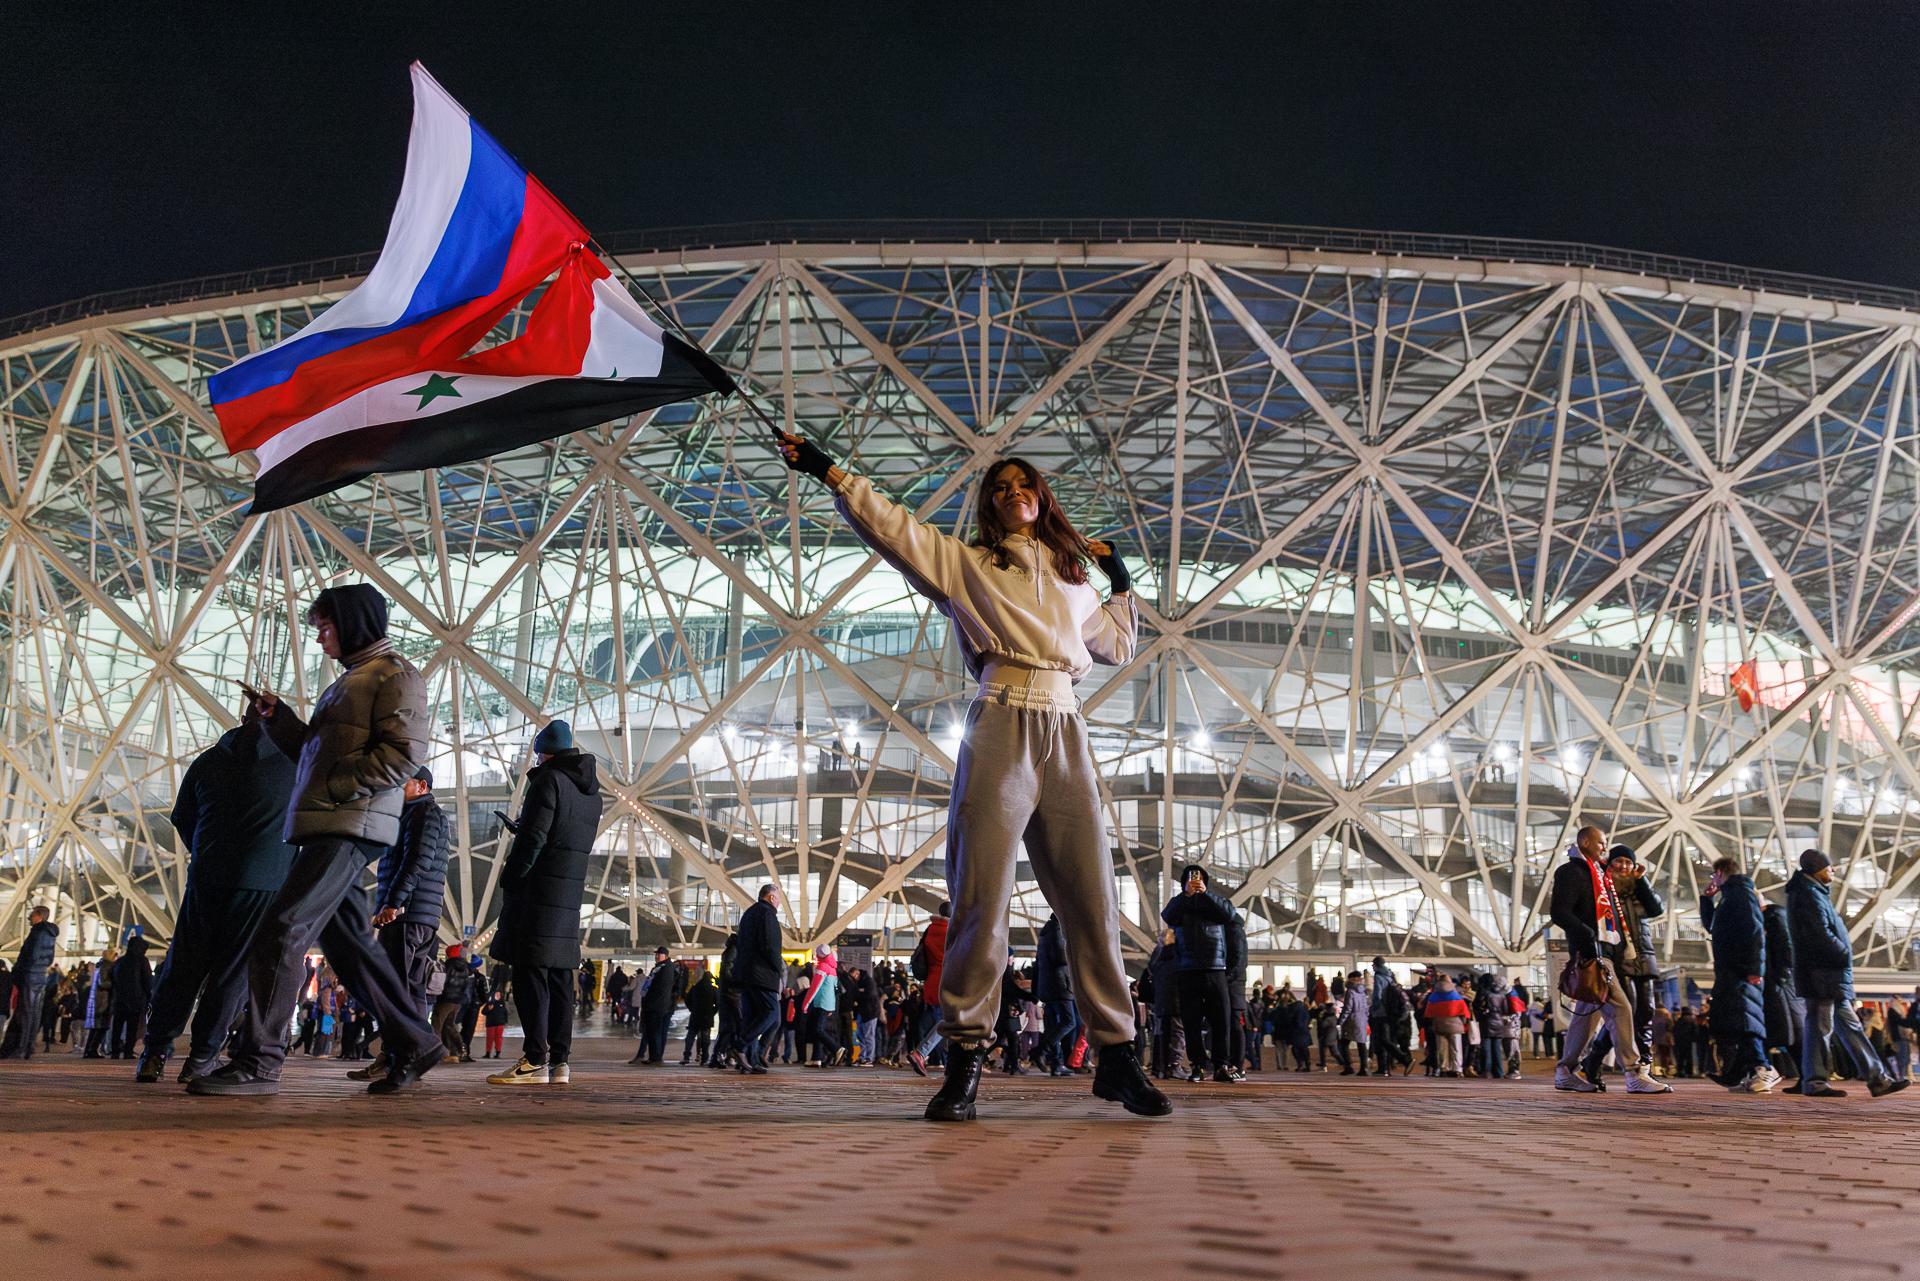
[(556, 737), (1813, 860), (1622, 851), (424, 775)]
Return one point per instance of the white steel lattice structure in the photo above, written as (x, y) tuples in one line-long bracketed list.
[(1556, 496)]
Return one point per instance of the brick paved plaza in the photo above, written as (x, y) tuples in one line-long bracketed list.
[(691, 1174)]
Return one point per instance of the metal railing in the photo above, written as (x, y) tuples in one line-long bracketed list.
[(1030, 231)]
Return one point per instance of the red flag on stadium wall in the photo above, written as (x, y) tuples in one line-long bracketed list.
[(1745, 684)]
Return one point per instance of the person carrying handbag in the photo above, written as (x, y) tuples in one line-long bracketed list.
[(1587, 910)]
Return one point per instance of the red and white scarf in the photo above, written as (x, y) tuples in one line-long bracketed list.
[(1608, 921)]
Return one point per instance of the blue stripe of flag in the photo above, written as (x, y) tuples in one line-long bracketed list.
[(468, 264)]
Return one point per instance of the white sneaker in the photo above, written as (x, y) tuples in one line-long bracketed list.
[(1762, 1080), (1565, 1078), (559, 1074), (521, 1073), (1640, 1081)]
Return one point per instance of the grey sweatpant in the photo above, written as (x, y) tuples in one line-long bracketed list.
[(1026, 775)]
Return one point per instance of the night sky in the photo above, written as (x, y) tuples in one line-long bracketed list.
[(188, 141)]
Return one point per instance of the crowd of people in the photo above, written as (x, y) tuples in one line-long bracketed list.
[(1198, 1018), (284, 817)]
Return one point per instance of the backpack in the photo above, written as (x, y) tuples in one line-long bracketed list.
[(920, 963)]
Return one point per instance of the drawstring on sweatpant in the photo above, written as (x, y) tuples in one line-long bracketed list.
[(1049, 718)]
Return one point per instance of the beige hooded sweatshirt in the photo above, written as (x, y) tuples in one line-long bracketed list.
[(1024, 614)]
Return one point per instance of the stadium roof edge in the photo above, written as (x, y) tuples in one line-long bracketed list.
[(1084, 232)]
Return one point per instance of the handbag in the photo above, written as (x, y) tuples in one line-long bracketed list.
[(1584, 981)]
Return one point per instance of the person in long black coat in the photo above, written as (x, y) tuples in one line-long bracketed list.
[(702, 998), (758, 972), (132, 986), (1785, 1013), (1730, 909), (727, 1039), (542, 885)]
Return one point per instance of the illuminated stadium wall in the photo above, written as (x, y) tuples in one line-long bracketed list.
[(1438, 554)]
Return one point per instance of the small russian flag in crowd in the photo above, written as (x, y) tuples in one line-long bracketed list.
[(385, 379)]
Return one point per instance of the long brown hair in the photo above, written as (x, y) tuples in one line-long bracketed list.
[(1050, 528)]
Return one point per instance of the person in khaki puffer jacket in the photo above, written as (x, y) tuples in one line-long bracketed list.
[(366, 738)]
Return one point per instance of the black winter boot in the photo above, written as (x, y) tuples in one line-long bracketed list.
[(955, 1100), (1119, 1079)]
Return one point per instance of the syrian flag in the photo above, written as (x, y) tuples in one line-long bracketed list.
[(589, 354), (383, 380)]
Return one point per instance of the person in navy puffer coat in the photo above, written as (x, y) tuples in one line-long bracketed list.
[(1823, 970), (1200, 919)]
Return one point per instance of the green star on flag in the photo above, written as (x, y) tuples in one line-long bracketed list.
[(436, 386)]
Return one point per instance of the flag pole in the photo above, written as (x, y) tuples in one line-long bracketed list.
[(607, 256)]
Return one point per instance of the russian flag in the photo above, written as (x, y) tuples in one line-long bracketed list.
[(472, 236)]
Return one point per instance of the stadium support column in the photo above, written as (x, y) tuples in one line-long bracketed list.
[(677, 881), (736, 629), (523, 634), (1153, 876), (1363, 714)]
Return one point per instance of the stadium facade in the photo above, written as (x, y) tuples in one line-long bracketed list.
[(1443, 547)]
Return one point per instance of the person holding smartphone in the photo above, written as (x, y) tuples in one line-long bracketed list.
[(366, 738)]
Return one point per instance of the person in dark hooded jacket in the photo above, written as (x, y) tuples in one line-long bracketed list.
[(1730, 909), (1160, 977), (1823, 971), (703, 999), (366, 738), (230, 814), (32, 977), (132, 986), (1053, 987), (543, 884), (665, 985), (727, 993), (1237, 1000), (412, 886)]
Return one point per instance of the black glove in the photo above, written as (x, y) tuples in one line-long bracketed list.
[(1115, 569), (808, 458)]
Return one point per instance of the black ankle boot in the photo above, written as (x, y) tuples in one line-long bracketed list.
[(954, 1102), (1119, 1079)]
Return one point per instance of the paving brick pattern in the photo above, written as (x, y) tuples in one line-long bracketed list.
[(683, 1173)]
